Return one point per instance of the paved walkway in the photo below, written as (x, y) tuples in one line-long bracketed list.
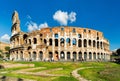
[(77, 76)]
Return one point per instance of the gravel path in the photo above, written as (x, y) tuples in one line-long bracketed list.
[(77, 76)]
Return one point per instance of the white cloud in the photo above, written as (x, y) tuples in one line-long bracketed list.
[(72, 17), (5, 38), (44, 25), (32, 26), (63, 17)]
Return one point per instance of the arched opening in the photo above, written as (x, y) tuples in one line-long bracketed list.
[(68, 55), (79, 36), (74, 55), (62, 55), (97, 44), (50, 42), (34, 40), (85, 55), (50, 55), (79, 43), (89, 42), (85, 43), (25, 38), (29, 54), (68, 41), (40, 55), (101, 55), (94, 43), (62, 42), (74, 41), (34, 55), (90, 55), (56, 42), (29, 41), (56, 55), (98, 54), (80, 55), (101, 45), (94, 55), (29, 48), (45, 41), (21, 55)]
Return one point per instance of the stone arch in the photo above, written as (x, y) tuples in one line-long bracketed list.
[(45, 41), (74, 55), (35, 40), (56, 55), (25, 38), (94, 55), (68, 41), (74, 41), (80, 55), (41, 55), (79, 43), (50, 42), (68, 55), (21, 55), (97, 44), (85, 55), (101, 45), (29, 41), (62, 55), (94, 43), (34, 55), (29, 48), (62, 41), (90, 55), (56, 42), (89, 43), (85, 43), (50, 55)]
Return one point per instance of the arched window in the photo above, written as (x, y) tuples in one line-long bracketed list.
[(62, 42), (50, 55), (80, 55), (85, 43), (79, 43), (29, 48), (97, 44), (85, 55), (21, 55), (94, 43), (50, 42), (74, 41), (34, 40), (41, 55), (25, 38), (101, 45), (74, 55), (94, 55), (68, 55), (90, 55), (62, 55), (29, 41), (89, 42), (79, 36), (45, 41), (68, 41), (56, 42), (34, 55)]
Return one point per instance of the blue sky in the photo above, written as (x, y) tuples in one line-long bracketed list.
[(102, 15)]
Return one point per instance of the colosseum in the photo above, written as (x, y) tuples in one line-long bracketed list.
[(63, 43)]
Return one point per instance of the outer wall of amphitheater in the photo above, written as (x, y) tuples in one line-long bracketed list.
[(58, 44)]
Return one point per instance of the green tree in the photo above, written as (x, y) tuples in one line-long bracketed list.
[(118, 52), (7, 48)]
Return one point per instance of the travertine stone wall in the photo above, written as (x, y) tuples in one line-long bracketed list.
[(59, 44)]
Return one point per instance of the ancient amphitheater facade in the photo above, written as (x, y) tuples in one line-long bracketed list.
[(57, 43)]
